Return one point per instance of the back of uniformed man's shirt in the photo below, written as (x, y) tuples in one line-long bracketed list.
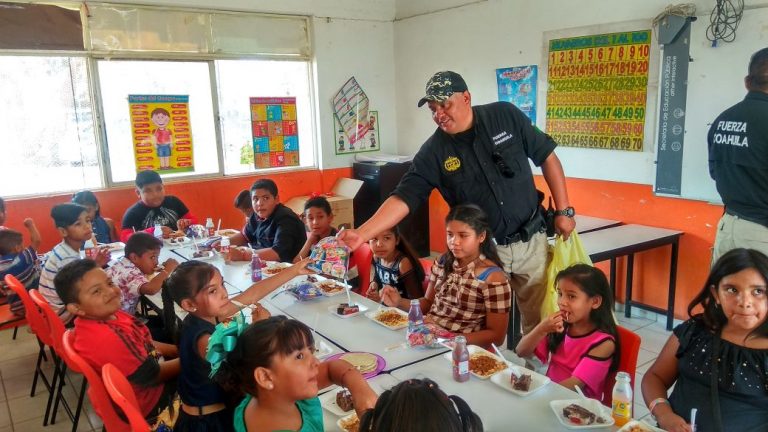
[(738, 157)]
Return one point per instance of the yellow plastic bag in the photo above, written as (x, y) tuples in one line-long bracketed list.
[(565, 253)]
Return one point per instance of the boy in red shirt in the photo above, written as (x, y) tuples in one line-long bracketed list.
[(105, 334)]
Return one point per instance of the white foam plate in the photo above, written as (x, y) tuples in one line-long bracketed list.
[(323, 349), (328, 401), (474, 349), (332, 310), (207, 255), (116, 246), (331, 293), (645, 427), (372, 316), (273, 265), (340, 421), (502, 379), (591, 404), (178, 242)]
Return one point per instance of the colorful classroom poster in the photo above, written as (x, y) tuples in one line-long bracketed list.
[(368, 143), (350, 107), (275, 132), (162, 132), (517, 85), (597, 90)]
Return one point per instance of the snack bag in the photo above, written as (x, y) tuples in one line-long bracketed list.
[(330, 257), (565, 253)]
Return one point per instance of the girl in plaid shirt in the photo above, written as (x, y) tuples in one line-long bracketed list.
[(468, 291)]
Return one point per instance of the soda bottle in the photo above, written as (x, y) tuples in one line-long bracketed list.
[(414, 336), (460, 359), (89, 249), (158, 232), (256, 266), (224, 245), (622, 399), (209, 227)]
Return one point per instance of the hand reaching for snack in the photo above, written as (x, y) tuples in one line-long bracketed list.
[(390, 296)]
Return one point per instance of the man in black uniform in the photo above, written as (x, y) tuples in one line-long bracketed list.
[(480, 155), (738, 162)]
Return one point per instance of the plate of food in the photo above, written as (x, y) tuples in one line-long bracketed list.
[(582, 413), (112, 247), (349, 423), (203, 255), (273, 267), (337, 402), (345, 310), (482, 364), (368, 364), (228, 232), (330, 287), (638, 426), (519, 380), (177, 239), (389, 317)]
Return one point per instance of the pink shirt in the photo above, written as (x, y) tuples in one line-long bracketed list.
[(571, 359), (129, 279)]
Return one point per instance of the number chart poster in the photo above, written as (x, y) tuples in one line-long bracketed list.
[(275, 132), (597, 90), (162, 135)]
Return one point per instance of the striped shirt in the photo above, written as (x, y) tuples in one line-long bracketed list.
[(61, 255)]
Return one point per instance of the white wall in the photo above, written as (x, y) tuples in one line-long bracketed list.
[(478, 38)]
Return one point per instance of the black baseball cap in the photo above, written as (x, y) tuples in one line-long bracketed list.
[(442, 85)]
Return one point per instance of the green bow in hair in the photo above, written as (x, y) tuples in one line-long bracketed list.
[(223, 340)]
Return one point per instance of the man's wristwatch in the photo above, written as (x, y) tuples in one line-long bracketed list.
[(568, 211)]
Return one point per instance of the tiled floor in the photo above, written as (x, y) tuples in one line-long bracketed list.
[(19, 412)]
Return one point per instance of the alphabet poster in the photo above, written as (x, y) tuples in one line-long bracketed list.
[(597, 90), (162, 134), (275, 132)]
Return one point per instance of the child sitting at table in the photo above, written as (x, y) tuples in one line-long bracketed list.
[(132, 273), (395, 264), (197, 287), (468, 290), (155, 207), (420, 405), (243, 203), (20, 262), (727, 329), (105, 334), (318, 218), (580, 340), (103, 228), (75, 228), (273, 362)]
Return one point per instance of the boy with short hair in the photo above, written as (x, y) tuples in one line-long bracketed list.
[(131, 273), (318, 218), (105, 334), (243, 203), (154, 207), (74, 226), (19, 262), (273, 230)]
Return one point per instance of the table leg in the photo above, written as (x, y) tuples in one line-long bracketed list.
[(612, 276), (672, 284), (628, 296)]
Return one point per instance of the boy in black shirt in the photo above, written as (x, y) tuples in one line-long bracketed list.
[(154, 207)]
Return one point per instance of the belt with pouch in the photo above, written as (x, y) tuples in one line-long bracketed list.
[(535, 225)]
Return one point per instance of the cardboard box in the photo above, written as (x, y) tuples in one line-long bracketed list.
[(343, 192)]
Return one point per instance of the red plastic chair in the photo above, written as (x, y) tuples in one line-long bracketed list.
[(56, 332), (629, 343), (122, 394), (39, 326), (97, 393), (426, 264), (7, 318), (362, 258)]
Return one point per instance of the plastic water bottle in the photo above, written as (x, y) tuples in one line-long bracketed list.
[(415, 318), (209, 227), (256, 266), (158, 232), (622, 399), (460, 359)]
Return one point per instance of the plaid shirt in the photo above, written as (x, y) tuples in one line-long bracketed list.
[(462, 301)]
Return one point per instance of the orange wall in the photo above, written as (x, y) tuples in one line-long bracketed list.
[(629, 203), (632, 203), (205, 198)]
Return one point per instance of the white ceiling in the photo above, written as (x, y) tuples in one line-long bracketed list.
[(409, 8)]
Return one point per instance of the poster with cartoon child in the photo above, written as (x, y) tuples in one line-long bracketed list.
[(162, 138)]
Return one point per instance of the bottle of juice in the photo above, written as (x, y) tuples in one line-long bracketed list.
[(256, 266), (209, 227), (89, 249), (460, 359), (622, 399)]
